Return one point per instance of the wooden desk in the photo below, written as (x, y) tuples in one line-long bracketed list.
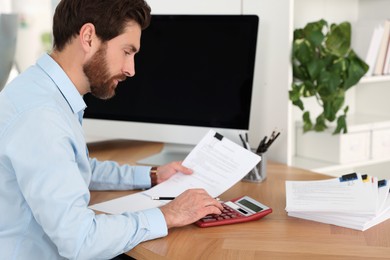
[(276, 236)]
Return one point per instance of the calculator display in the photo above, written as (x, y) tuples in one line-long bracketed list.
[(250, 205)]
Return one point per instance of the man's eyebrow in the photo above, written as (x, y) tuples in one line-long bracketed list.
[(132, 48)]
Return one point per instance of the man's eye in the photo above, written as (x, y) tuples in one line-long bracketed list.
[(127, 53)]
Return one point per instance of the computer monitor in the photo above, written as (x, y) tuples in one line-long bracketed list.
[(193, 73)]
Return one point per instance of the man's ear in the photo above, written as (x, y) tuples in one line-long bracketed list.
[(88, 37)]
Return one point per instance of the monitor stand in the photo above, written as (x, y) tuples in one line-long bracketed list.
[(169, 153)]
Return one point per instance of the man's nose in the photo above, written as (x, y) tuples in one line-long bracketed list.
[(129, 68)]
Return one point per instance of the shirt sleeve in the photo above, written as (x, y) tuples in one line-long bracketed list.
[(46, 162), (109, 175)]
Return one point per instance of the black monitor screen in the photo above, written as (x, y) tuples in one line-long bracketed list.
[(194, 70)]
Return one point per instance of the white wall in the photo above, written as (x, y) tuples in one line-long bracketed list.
[(35, 18), (270, 105), (195, 7)]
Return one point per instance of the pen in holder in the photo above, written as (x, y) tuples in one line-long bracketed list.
[(259, 172)]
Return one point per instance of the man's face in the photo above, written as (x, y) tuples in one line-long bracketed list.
[(113, 62)]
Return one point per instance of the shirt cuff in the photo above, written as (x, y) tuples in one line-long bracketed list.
[(142, 176), (158, 226)]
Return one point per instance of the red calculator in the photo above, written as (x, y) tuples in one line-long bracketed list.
[(239, 210)]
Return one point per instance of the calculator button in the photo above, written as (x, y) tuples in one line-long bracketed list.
[(243, 211), (227, 213), (209, 219)]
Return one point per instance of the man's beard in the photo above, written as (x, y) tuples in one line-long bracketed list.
[(96, 69)]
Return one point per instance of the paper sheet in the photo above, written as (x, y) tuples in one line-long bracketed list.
[(358, 204), (331, 196), (217, 164), (134, 202)]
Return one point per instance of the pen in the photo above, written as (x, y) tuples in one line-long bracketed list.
[(242, 140), (265, 144), (163, 198), (261, 147), (272, 140), (170, 198)]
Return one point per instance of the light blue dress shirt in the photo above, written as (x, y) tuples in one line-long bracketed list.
[(46, 174)]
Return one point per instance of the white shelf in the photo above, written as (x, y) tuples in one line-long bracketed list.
[(375, 79), (329, 168), (370, 98)]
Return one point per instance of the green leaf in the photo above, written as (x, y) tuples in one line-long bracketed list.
[(329, 81), (308, 89), (340, 65), (341, 125), (346, 110), (315, 37), (329, 111), (295, 94), (299, 34), (314, 68), (299, 104), (313, 32), (302, 51), (307, 124), (339, 39), (299, 72), (356, 70), (338, 102), (320, 124)]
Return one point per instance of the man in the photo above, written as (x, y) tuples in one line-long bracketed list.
[(45, 172)]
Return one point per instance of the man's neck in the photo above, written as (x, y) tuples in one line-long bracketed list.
[(71, 61)]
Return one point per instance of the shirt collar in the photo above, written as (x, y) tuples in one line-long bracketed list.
[(63, 83)]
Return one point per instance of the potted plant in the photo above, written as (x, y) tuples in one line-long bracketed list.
[(324, 67)]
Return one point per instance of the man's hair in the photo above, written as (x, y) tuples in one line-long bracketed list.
[(108, 16)]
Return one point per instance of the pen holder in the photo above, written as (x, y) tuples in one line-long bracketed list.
[(259, 173)]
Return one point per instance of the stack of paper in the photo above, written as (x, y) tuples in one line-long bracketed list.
[(354, 201)]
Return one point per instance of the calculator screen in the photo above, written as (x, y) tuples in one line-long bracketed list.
[(250, 205)]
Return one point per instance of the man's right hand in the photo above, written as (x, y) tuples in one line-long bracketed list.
[(189, 207)]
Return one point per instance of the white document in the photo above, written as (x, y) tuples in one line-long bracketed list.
[(358, 204), (330, 196), (134, 202), (217, 165)]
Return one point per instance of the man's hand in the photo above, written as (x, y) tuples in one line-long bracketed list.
[(189, 207), (164, 172)]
